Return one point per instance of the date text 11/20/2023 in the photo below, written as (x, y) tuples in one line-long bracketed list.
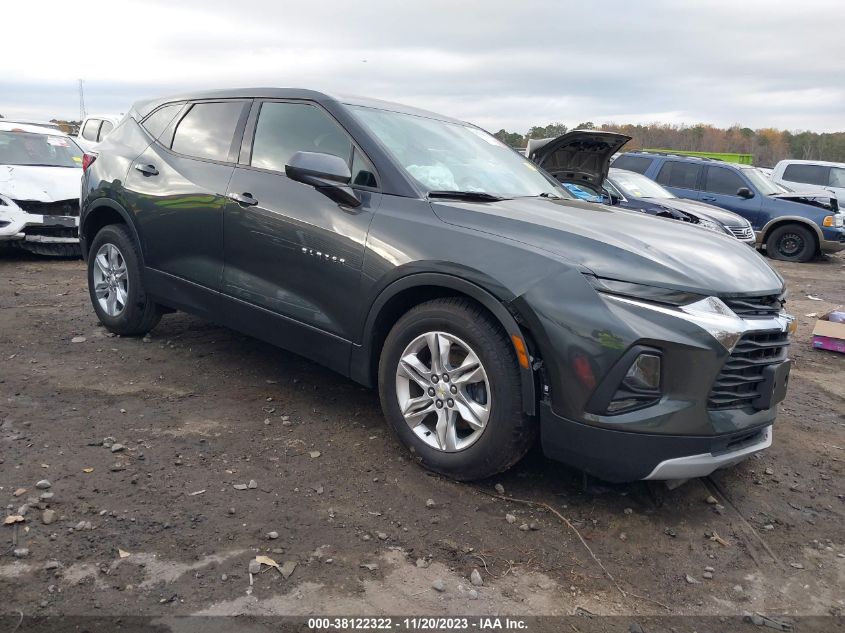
[(417, 624)]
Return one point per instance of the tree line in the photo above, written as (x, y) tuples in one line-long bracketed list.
[(766, 145)]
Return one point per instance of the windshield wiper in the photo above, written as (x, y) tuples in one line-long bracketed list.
[(471, 196)]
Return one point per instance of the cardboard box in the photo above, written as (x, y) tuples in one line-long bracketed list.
[(828, 334)]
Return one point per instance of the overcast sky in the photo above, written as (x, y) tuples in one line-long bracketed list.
[(497, 63)]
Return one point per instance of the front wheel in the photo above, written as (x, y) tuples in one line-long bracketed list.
[(791, 243), (450, 389), (116, 286)]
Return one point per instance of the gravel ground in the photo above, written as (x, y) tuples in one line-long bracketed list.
[(143, 446)]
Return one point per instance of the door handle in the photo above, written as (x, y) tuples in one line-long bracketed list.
[(708, 198), (244, 199), (147, 170)]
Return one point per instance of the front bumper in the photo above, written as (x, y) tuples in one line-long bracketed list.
[(832, 246), (620, 456), (17, 224)]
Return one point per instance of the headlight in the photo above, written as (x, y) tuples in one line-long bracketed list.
[(833, 220), (711, 225), (643, 292)]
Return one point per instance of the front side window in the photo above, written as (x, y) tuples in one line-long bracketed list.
[(25, 148), (675, 173), (449, 156), (722, 181), (207, 130), (807, 174), (91, 129), (284, 129), (837, 177)]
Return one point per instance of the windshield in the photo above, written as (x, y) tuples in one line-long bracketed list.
[(634, 185), (762, 183), (26, 148), (444, 156)]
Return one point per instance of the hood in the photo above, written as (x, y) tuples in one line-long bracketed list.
[(700, 210), (823, 200), (40, 184), (577, 156), (623, 245)]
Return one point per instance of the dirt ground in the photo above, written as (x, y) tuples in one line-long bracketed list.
[(158, 528)]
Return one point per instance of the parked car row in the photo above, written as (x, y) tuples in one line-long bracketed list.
[(418, 254)]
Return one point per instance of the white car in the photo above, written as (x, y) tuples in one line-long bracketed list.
[(40, 179), (812, 175), (95, 128)]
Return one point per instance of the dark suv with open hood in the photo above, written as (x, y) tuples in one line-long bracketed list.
[(417, 253)]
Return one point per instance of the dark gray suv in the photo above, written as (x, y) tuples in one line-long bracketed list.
[(417, 253)]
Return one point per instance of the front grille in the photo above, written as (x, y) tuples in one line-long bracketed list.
[(742, 232), (738, 383), (62, 207), (755, 307)]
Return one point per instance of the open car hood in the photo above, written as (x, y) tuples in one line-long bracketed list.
[(579, 156)]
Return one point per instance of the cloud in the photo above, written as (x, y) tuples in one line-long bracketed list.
[(497, 63)]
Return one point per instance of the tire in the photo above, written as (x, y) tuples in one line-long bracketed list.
[(138, 314), (791, 243), (52, 249), (492, 392)]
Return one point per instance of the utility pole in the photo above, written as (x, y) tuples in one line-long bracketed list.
[(82, 111)]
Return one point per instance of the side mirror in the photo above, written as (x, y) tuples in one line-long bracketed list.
[(745, 192), (327, 173)]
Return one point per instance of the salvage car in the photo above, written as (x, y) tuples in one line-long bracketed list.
[(40, 172), (419, 254), (580, 160), (789, 225)]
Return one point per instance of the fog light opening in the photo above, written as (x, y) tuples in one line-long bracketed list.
[(641, 385)]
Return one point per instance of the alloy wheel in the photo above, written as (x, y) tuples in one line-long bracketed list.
[(111, 281), (443, 391)]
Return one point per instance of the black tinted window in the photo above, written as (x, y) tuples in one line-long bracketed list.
[(156, 123), (809, 174), (677, 174), (286, 128), (639, 164), (105, 128), (89, 132), (207, 130), (723, 181), (363, 173)]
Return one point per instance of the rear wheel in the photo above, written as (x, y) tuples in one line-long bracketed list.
[(792, 243), (115, 283), (450, 389)]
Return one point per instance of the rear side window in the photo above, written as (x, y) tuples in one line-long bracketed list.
[(639, 164), (91, 129), (105, 128), (158, 121), (677, 174), (722, 181), (207, 130), (286, 128), (808, 174)]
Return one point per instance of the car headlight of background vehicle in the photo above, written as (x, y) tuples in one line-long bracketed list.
[(711, 225)]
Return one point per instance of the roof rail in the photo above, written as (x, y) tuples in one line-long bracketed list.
[(680, 155)]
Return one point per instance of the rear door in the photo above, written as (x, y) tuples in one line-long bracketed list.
[(177, 187), (720, 188), (291, 250), (683, 178)]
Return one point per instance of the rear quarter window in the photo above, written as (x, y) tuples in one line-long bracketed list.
[(158, 121), (675, 173), (639, 164), (807, 174), (91, 129)]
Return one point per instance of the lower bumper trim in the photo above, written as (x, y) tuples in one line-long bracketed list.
[(704, 464), (831, 246)]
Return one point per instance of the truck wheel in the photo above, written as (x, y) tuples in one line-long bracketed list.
[(791, 243), (116, 286), (450, 389)]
